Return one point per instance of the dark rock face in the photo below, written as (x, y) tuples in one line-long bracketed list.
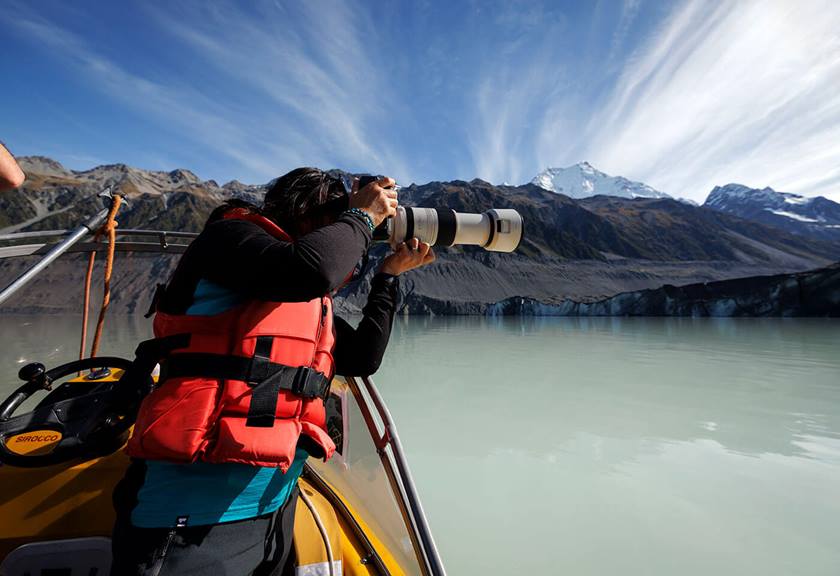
[(815, 293)]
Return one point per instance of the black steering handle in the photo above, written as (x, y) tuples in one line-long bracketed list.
[(19, 396)]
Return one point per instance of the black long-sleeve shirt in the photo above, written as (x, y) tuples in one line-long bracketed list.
[(242, 257)]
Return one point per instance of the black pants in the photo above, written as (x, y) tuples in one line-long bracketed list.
[(261, 546)]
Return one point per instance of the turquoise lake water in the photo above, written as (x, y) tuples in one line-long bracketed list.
[(597, 446)]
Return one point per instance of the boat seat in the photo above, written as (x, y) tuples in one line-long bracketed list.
[(70, 557)]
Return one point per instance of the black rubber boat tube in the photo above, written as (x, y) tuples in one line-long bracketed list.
[(62, 247)]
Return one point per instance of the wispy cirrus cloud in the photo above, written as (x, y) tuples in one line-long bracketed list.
[(323, 104), (322, 70), (682, 96), (179, 105), (736, 91), (514, 91), (629, 12), (741, 91)]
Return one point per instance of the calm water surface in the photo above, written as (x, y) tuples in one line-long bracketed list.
[(605, 446)]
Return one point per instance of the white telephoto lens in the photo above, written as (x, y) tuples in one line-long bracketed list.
[(494, 230)]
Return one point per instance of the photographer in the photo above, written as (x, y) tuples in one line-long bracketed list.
[(257, 282), (11, 176)]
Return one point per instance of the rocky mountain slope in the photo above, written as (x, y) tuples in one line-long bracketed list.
[(813, 217), (584, 250), (56, 198)]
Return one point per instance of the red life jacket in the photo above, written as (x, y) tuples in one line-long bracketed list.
[(248, 386)]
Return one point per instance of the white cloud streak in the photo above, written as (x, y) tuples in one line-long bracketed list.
[(197, 116), (506, 116), (321, 71), (629, 11), (743, 91), (318, 71)]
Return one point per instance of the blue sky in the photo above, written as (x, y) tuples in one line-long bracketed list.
[(681, 95)]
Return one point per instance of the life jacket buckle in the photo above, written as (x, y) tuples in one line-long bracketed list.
[(300, 382), (308, 383)]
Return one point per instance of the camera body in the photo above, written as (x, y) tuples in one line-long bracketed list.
[(366, 179)]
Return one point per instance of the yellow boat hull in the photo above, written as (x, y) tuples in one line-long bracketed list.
[(58, 503)]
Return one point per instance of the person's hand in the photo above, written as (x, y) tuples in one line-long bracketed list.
[(407, 256), (376, 200), (11, 176)]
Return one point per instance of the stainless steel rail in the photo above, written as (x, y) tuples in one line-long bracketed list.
[(36, 234), (429, 546), (40, 249), (120, 232), (406, 490), (162, 246), (327, 492), (54, 253)]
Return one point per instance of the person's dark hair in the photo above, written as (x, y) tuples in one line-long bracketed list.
[(293, 196)]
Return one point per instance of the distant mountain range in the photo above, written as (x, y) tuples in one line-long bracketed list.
[(585, 249), (54, 197), (814, 217)]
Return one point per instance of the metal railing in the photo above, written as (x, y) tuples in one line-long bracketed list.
[(391, 454), (162, 246), (54, 252)]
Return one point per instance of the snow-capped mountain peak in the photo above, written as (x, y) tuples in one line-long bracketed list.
[(582, 180), (795, 213)]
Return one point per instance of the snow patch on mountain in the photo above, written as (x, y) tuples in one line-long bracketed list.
[(582, 181), (798, 217), (793, 199)]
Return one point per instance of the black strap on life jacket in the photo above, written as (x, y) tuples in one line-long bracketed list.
[(267, 382), (267, 378), (147, 354)]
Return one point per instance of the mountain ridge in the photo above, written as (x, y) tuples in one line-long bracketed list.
[(817, 216), (582, 249)]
